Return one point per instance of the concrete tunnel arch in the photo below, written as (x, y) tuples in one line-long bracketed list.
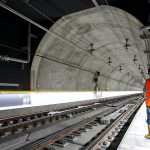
[(71, 67)]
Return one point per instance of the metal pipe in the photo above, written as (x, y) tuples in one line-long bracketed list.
[(10, 84), (7, 58), (29, 42), (95, 3), (38, 25)]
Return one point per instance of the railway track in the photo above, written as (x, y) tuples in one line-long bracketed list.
[(28, 122), (17, 124), (103, 140), (41, 143)]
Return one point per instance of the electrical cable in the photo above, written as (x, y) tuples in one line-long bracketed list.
[(102, 15), (50, 19), (61, 62), (51, 33), (43, 14), (54, 22), (113, 30), (116, 18), (43, 28)]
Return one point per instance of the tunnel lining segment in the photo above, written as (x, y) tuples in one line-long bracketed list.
[(60, 77)]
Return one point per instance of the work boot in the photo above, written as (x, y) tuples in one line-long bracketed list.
[(148, 135)]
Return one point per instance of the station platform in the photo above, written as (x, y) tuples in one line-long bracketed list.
[(134, 137)]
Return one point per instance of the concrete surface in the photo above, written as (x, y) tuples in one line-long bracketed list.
[(81, 140), (107, 119), (70, 146), (69, 66), (134, 137), (87, 136)]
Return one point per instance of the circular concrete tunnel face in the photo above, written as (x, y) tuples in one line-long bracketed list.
[(80, 44)]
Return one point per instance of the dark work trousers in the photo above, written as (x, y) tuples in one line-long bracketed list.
[(148, 115)]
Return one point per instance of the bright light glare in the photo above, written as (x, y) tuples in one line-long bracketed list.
[(47, 98)]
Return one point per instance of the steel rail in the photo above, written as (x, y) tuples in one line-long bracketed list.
[(12, 124), (50, 139), (41, 143), (102, 101), (100, 138)]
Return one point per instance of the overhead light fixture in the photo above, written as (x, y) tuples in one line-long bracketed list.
[(135, 58), (91, 50), (127, 43), (139, 67), (109, 60), (120, 68)]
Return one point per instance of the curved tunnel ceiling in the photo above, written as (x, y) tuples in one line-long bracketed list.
[(64, 61)]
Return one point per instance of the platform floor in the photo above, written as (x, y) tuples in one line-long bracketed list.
[(134, 137)]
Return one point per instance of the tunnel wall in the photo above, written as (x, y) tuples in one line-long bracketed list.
[(62, 60)]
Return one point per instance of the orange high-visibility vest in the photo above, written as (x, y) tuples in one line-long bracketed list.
[(147, 92)]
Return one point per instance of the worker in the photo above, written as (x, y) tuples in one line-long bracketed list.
[(147, 99)]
